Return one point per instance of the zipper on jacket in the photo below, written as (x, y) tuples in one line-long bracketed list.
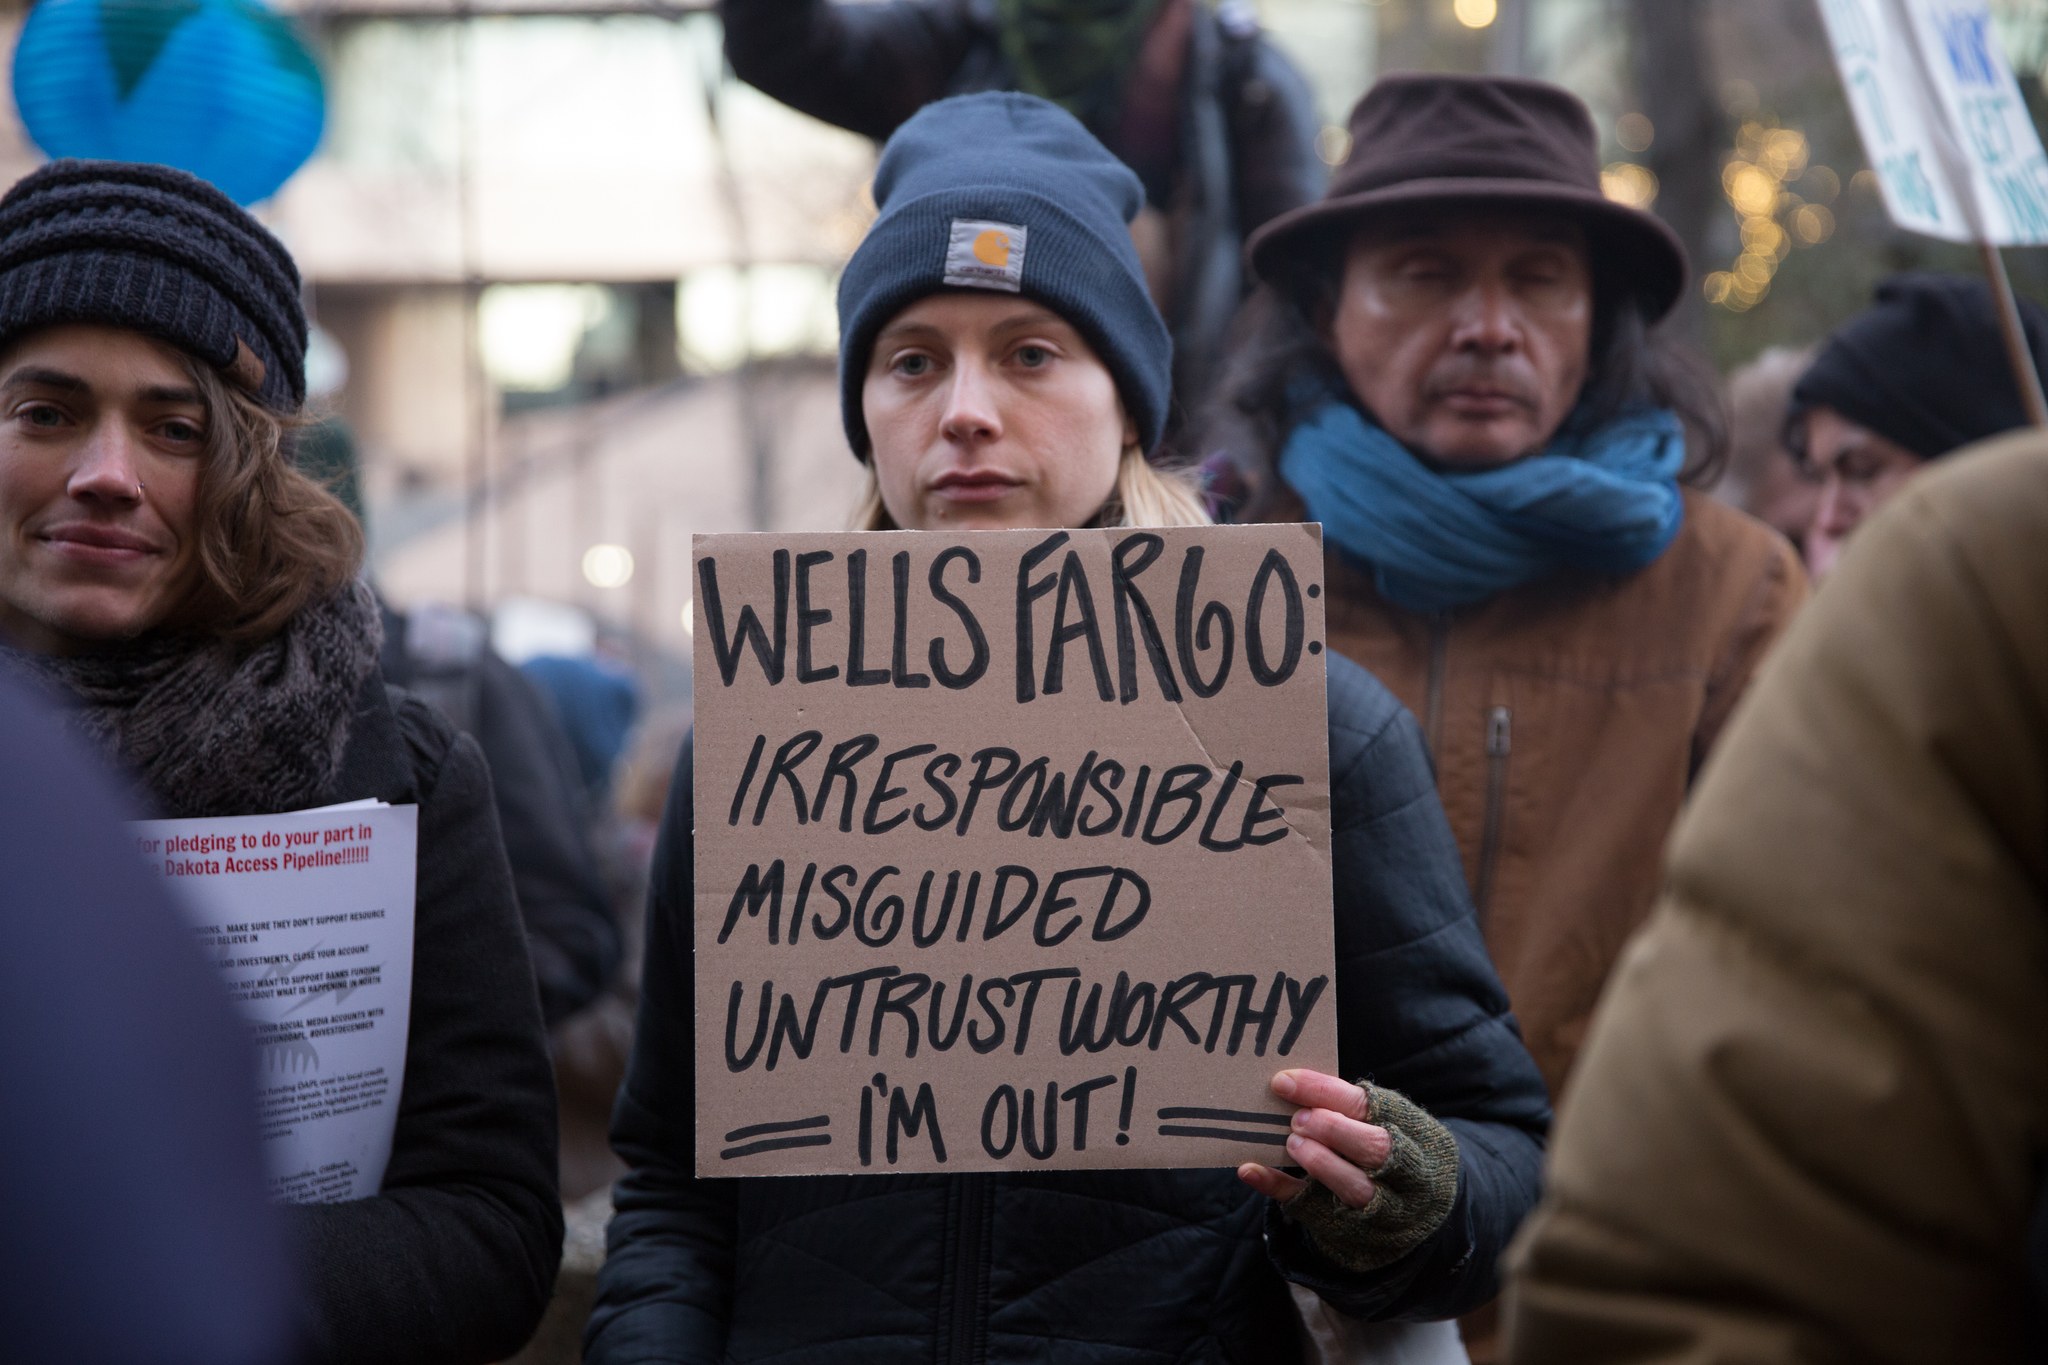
[(967, 1271), (1433, 706), (1499, 744)]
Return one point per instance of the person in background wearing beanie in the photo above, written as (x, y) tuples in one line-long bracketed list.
[(192, 601), (1219, 125), (1460, 379), (1026, 394), (1810, 1120), (1920, 372)]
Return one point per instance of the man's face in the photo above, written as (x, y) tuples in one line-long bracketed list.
[(1466, 334)]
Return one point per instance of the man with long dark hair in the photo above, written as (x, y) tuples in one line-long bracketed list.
[(1462, 378)]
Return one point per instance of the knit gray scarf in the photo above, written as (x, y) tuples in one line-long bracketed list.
[(212, 729)]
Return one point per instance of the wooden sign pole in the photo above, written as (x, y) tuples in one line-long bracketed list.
[(2016, 349)]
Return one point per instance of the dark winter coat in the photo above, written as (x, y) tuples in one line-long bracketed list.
[(1122, 1266), (455, 1259), (1246, 149)]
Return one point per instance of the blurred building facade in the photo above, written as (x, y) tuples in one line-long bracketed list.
[(579, 279)]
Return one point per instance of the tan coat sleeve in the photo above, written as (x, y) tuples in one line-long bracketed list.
[(1810, 1121), (1779, 592)]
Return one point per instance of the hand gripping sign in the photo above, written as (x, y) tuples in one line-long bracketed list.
[(1013, 848)]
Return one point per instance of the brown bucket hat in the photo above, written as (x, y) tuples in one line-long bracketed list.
[(1421, 140)]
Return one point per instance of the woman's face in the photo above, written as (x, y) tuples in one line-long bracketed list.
[(988, 412), (101, 435), (1857, 471)]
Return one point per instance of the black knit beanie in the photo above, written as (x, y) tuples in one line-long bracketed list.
[(160, 252), (1010, 193), (1925, 366)]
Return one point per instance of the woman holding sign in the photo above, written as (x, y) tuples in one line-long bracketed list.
[(193, 600), (1003, 367)]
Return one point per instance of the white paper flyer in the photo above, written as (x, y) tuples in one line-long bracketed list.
[(309, 917)]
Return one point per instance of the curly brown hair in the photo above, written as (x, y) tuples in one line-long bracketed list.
[(267, 540)]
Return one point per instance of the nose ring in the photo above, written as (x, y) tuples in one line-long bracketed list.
[(138, 488)]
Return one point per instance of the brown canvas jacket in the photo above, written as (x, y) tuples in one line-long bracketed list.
[(1566, 719), (1812, 1118)]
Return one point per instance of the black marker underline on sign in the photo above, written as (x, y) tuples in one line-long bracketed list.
[(1230, 1134), (1227, 1115), (776, 1145), (757, 1129), (788, 1137), (1269, 1139)]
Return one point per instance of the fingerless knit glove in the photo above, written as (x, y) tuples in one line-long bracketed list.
[(1414, 1190)]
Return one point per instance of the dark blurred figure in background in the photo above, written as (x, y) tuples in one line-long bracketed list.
[(443, 655), (596, 701), (1811, 1120), (1920, 372), (131, 1189), (592, 1048), (1218, 124), (1764, 478)]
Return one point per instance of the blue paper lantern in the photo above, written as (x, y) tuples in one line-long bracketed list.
[(221, 88)]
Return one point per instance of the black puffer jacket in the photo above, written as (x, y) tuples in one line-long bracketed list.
[(1110, 1266)]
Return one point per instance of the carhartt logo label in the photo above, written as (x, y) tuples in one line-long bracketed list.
[(982, 255)]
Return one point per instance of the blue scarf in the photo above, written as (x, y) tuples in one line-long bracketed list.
[(1435, 539)]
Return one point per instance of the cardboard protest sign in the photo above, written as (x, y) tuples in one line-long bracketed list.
[(1013, 848), (1942, 118)]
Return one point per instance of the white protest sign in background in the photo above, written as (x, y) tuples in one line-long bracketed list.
[(1942, 118), (309, 917)]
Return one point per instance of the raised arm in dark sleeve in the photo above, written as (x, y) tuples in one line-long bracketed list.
[(1421, 1011), (1273, 127), (665, 1291), (865, 67), (454, 1261)]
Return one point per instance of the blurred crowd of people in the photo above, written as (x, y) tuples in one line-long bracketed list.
[(1749, 886)]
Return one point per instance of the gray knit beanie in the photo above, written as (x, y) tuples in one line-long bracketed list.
[(160, 252), (1009, 193)]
